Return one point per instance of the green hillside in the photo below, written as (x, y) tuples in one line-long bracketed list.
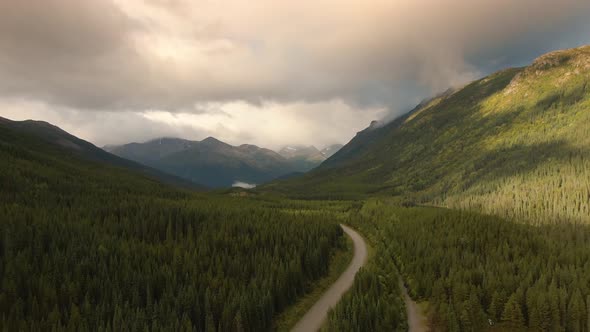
[(45, 138), (515, 143), (471, 272)]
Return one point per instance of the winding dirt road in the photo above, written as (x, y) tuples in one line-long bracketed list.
[(315, 317)]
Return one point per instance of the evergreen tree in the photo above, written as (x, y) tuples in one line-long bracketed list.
[(512, 315)]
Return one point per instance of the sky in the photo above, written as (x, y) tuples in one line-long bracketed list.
[(264, 72)]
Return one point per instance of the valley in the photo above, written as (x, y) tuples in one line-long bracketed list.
[(469, 213)]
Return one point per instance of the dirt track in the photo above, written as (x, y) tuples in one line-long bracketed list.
[(314, 318)]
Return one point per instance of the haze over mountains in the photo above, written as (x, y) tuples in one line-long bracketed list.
[(217, 164), (305, 158), (329, 151)]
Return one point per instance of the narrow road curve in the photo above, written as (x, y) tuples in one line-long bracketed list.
[(416, 319), (315, 317)]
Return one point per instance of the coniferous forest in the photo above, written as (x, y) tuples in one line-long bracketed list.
[(86, 247), (475, 272)]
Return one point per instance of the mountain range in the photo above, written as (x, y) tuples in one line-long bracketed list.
[(184, 163), (217, 164)]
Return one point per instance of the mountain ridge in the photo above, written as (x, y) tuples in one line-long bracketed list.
[(504, 144), (218, 164), (209, 161)]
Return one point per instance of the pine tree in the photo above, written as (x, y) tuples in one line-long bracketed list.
[(512, 315), (576, 313), (496, 306)]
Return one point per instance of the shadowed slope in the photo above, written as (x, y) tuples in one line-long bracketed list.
[(42, 137)]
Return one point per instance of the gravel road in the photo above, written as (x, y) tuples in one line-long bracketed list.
[(315, 317)]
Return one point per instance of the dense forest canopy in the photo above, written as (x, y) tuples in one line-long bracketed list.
[(88, 246), (476, 272)]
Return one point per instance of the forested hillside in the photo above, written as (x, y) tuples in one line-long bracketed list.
[(476, 272), (45, 137), (87, 246), (515, 144)]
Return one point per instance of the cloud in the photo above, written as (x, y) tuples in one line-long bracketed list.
[(100, 128), (170, 54), (123, 61), (267, 125), (273, 125)]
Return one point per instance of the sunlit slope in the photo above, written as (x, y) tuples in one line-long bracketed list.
[(516, 143)]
